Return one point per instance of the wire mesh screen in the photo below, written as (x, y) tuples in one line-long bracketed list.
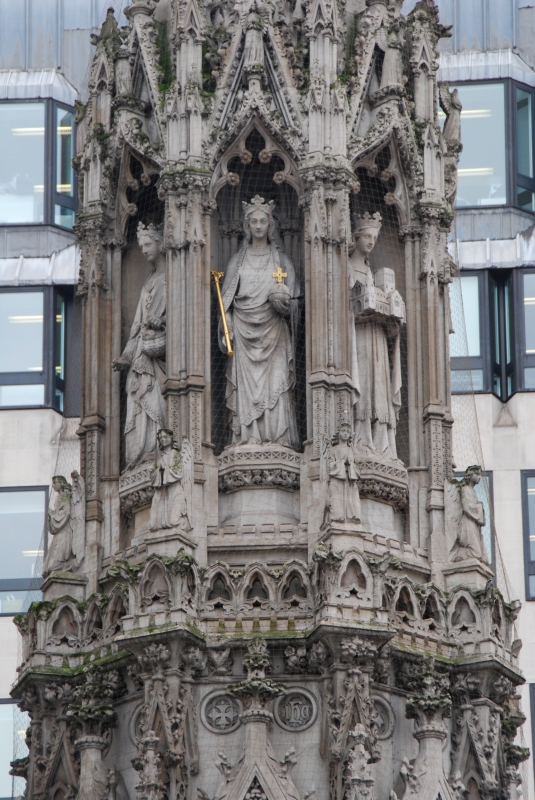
[(256, 172), (466, 443)]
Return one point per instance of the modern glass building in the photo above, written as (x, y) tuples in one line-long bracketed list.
[(45, 52)]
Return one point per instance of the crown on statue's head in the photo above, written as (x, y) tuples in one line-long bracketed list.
[(258, 204), (368, 220), (155, 232)]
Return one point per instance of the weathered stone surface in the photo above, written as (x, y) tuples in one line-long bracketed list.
[(298, 605)]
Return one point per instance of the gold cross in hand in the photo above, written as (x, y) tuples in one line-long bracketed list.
[(279, 275)]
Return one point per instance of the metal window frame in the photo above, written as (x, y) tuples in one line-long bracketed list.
[(482, 361), (532, 710), (47, 376), (529, 565), (522, 181), (509, 142), (51, 197), (24, 584), (523, 359), (498, 365)]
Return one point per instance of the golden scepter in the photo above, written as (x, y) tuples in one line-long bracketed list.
[(217, 278)]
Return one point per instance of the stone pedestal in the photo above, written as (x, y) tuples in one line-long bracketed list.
[(258, 482)]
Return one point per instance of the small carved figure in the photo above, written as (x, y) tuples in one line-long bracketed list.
[(470, 543), (144, 355), (452, 107), (375, 347), (172, 479), (261, 373), (343, 500), (66, 521)]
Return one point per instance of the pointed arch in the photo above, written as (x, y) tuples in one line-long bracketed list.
[(463, 614), (64, 626), (155, 588)]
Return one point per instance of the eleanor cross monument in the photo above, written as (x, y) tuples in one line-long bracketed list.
[(265, 582)]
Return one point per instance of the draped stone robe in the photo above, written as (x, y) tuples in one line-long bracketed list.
[(261, 373), (145, 405), (376, 376)]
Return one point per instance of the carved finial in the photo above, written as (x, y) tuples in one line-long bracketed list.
[(368, 220)]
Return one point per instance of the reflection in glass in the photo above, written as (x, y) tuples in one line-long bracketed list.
[(524, 133), (529, 313), (22, 520), (21, 331), (467, 380), (64, 139), (525, 199), (28, 394), (529, 378), (481, 175), (22, 161), (59, 351), (462, 345), (531, 517), (13, 602), (64, 216)]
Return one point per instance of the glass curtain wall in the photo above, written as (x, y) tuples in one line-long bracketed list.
[(22, 162)]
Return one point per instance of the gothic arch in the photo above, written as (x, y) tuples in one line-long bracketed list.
[(64, 626), (272, 148), (257, 587), (117, 609), (294, 586), (355, 578), (218, 587), (463, 613), (155, 587), (94, 623), (405, 604)]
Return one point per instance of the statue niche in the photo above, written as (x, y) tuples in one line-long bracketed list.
[(260, 292), (379, 312), (144, 355)]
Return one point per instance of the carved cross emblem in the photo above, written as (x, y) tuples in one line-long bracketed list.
[(279, 275)]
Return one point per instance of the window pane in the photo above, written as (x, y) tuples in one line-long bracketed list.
[(6, 748), (22, 161), (30, 394), (465, 315), (525, 199), (529, 378), (524, 134), (21, 331), (22, 519), (531, 587), (531, 517), (481, 176), (59, 338), (64, 140), (12, 602), (529, 312), (64, 216), (467, 380)]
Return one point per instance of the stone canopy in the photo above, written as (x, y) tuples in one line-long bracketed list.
[(265, 583)]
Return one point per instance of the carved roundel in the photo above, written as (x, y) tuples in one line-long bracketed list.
[(220, 713), (383, 717), (296, 710)]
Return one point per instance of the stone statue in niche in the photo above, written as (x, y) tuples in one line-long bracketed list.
[(144, 355), (375, 346), (261, 312), (470, 542), (340, 474), (66, 523), (172, 479)]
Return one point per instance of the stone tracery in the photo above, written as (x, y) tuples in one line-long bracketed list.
[(213, 581)]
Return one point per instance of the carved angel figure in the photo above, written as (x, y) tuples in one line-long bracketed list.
[(470, 543), (340, 471), (172, 479), (375, 345), (66, 523), (144, 355), (261, 373)]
